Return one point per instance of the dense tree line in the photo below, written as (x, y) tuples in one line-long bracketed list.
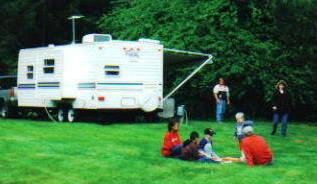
[(255, 43), (28, 23)]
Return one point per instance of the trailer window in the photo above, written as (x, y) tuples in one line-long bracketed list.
[(112, 70), (30, 72), (49, 65), (49, 62)]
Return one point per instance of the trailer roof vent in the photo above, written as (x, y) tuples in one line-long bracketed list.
[(149, 41), (96, 38)]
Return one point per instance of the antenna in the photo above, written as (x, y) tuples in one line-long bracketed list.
[(73, 18)]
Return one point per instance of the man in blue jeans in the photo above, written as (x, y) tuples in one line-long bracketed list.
[(221, 94)]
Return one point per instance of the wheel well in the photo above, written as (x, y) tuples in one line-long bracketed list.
[(64, 104)]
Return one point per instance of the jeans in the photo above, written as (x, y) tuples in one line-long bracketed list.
[(220, 110), (276, 117), (207, 160), (176, 151)]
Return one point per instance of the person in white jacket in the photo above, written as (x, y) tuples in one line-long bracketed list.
[(222, 98)]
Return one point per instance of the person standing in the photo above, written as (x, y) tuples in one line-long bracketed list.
[(281, 105), (222, 97)]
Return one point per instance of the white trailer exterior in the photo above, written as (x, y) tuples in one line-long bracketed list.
[(93, 75), (98, 74)]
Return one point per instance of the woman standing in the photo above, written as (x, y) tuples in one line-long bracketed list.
[(281, 102)]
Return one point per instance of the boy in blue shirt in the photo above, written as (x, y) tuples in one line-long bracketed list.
[(206, 153)]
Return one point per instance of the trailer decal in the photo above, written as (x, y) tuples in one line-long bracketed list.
[(48, 84), (86, 85), (26, 86), (120, 84)]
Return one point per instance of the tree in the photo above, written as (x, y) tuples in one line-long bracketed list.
[(27, 23), (244, 36)]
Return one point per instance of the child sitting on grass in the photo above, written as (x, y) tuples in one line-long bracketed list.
[(238, 134), (172, 143), (241, 123), (190, 148), (206, 152)]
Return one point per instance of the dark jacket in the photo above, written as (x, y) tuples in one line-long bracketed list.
[(283, 101), (190, 151)]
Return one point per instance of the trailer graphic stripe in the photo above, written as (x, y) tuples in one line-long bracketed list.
[(26, 86), (48, 84), (86, 85), (94, 85), (120, 84)]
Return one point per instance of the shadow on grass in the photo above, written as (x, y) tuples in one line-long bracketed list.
[(100, 117)]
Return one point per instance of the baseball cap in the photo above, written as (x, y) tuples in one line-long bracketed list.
[(209, 131), (247, 129)]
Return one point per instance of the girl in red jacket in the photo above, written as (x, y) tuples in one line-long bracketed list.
[(172, 143)]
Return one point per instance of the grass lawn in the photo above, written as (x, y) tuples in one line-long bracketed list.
[(82, 153)]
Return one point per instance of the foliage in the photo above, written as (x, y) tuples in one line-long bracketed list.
[(27, 23), (253, 42)]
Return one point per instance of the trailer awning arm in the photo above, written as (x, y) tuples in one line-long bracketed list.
[(207, 61), (186, 52)]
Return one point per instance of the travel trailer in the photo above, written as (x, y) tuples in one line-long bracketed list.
[(97, 74)]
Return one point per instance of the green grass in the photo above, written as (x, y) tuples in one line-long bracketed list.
[(80, 153)]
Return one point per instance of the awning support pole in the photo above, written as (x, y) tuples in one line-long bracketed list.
[(209, 60)]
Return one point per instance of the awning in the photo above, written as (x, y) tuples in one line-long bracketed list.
[(172, 56), (175, 56)]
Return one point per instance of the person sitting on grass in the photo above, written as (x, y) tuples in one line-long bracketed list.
[(241, 123), (238, 134), (255, 149), (190, 148), (172, 143), (206, 152)]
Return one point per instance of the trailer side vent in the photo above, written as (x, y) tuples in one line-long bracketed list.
[(112, 70)]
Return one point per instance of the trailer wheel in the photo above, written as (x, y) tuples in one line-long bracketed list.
[(61, 115), (4, 111), (71, 115)]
